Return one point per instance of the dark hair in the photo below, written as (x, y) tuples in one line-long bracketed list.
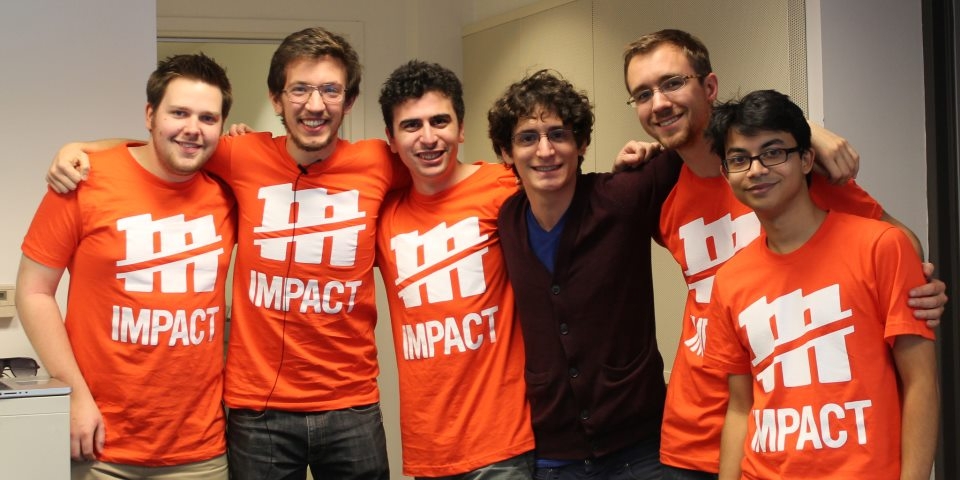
[(194, 67), (761, 110), (542, 90), (314, 43), (415, 79), (691, 46)]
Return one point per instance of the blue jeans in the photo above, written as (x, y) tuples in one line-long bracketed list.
[(640, 461), (519, 467), (341, 444), (674, 473)]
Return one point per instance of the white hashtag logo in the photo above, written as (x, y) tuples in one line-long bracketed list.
[(428, 262), (314, 208), (788, 312), (149, 240)]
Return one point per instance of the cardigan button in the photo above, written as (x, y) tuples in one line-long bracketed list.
[(574, 373), (555, 289), (584, 414), (564, 329)]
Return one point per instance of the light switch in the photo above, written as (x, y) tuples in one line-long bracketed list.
[(7, 307)]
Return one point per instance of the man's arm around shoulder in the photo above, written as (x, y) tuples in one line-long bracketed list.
[(71, 165)]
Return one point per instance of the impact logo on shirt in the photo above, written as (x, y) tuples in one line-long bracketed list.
[(805, 345), (789, 312), (706, 246), (322, 226), (426, 267), (426, 263), (148, 243), (150, 240), (709, 245)]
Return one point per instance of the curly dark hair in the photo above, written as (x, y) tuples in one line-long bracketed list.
[(314, 43), (543, 90), (194, 67), (413, 80)]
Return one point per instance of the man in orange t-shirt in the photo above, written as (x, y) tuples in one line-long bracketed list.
[(814, 310), (463, 408), (301, 372), (672, 86), (147, 240)]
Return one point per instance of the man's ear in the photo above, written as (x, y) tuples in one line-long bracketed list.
[(711, 86), (148, 117), (390, 140), (348, 105), (505, 157), (582, 150), (806, 160), (276, 102)]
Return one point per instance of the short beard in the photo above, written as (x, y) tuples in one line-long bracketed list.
[(307, 148), (300, 145), (677, 141)]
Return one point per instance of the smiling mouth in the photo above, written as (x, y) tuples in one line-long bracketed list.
[(759, 188), (668, 121), (548, 168), (431, 155), (315, 123), (189, 146)]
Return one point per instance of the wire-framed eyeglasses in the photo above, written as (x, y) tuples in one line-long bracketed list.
[(556, 136), (330, 93), (669, 85)]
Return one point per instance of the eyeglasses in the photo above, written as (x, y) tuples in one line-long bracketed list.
[(19, 366), (669, 85), (767, 158), (556, 136), (330, 93)]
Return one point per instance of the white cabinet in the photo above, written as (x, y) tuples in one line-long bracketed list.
[(35, 438)]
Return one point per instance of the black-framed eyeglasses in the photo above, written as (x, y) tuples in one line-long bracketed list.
[(330, 93), (767, 158), (556, 136), (669, 85), (19, 366)]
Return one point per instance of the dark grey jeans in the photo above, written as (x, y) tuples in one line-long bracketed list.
[(640, 461), (674, 473), (519, 467), (344, 444)]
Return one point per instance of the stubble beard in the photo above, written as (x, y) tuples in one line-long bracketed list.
[(300, 143)]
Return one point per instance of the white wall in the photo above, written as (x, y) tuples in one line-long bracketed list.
[(68, 75), (873, 95)]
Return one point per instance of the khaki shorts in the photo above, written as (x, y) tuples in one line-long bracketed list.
[(213, 469)]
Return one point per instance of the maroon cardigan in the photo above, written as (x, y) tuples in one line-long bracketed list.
[(594, 374)]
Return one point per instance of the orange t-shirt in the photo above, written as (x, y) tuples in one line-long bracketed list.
[(303, 310), (148, 262), (703, 225), (815, 329), (459, 349)]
